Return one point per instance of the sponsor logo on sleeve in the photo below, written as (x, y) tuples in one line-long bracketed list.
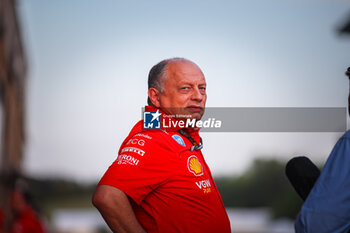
[(143, 135), (136, 141), (194, 166), (179, 140), (127, 159), (133, 150)]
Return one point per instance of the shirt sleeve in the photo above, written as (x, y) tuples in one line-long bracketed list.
[(141, 166), (327, 208)]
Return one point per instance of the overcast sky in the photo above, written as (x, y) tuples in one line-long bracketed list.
[(89, 60)]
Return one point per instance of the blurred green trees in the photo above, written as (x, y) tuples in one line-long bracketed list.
[(264, 184)]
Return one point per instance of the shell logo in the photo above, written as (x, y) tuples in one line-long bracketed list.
[(194, 166)]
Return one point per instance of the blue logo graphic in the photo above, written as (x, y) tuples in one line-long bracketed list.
[(179, 140), (151, 120)]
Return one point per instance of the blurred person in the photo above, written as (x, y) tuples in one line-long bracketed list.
[(1, 220), (25, 219), (327, 206), (160, 181)]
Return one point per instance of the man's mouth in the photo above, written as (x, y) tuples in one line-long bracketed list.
[(195, 108)]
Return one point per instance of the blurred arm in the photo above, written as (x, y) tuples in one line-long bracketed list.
[(116, 210)]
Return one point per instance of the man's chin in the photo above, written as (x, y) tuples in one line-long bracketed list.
[(196, 116)]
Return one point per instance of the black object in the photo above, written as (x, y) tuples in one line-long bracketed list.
[(348, 72), (345, 29), (195, 146), (302, 174)]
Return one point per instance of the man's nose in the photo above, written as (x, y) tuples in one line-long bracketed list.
[(197, 95)]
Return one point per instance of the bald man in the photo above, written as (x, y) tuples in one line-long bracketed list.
[(160, 181)]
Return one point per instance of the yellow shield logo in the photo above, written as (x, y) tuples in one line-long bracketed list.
[(194, 166)]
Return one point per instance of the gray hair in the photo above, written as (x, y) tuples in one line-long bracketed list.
[(157, 75)]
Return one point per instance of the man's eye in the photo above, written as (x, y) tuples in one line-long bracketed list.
[(185, 88)]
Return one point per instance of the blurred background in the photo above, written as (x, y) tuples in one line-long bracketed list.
[(73, 80)]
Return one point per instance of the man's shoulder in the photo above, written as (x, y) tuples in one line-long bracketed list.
[(151, 135), (157, 138), (148, 139), (346, 135), (148, 146)]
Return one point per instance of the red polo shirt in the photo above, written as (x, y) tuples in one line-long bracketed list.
[(171, 187)]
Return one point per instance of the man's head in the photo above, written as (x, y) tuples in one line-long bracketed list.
[(177, 86)]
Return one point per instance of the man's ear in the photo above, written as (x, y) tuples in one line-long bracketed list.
[(153, 94)]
